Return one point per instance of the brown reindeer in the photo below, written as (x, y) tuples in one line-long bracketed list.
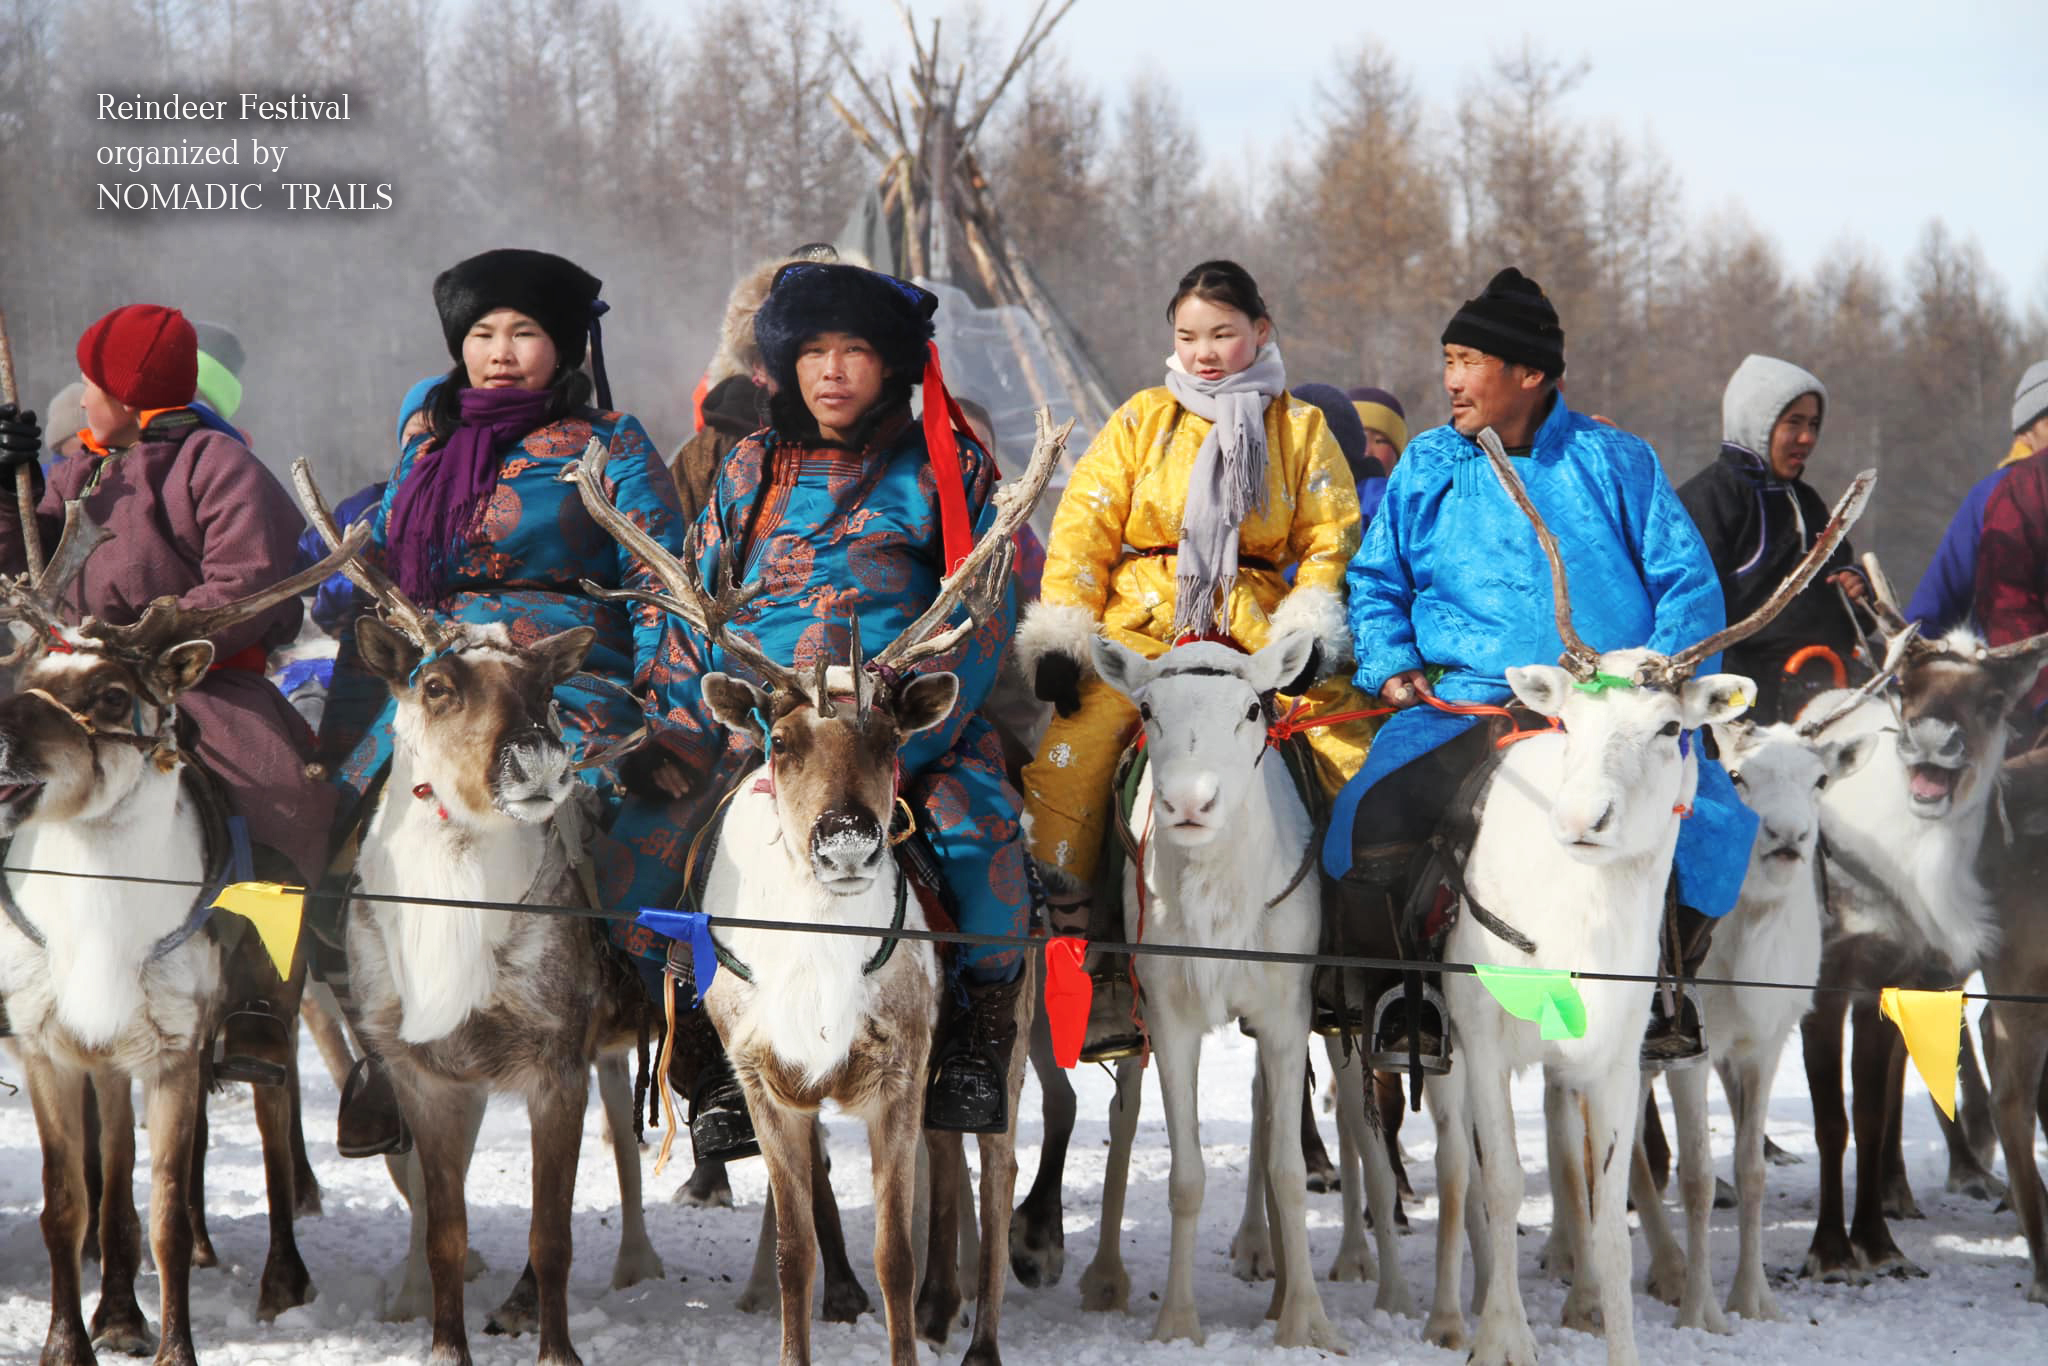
[(481, 806), (822, 1017), (107, 981), (1903, 837)]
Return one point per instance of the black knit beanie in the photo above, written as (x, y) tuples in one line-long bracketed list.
[(1511, 319)]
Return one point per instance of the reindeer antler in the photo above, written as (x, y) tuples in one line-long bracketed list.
[(1580, 659), (1883, 602), (980, 577), (1847, 509), (1894, 658), (164, 623), (37, 597), (423, 627), (711, 612)]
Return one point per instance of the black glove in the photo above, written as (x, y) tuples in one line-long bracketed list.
[(21, 437), (637, 769), (1311, 672), (1059, 682)]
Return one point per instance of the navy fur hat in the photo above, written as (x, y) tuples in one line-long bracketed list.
[(807, 298), (558, 294)]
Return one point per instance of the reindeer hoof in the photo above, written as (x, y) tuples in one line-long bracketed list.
[(1106, 1292), (1704, 1317), (707, 1188), (635, 1265), (1724, 1194), (1309, 1328), (285, 1286), (123, 1334), (1177, 1323), (2037, 1293), (1251, 1259), (1038, 1260), (203, 1255), (1978, 1185), (1899, 1267), (1754, 1303), (520, 1313), (844, 1302), (1666, 1283), (936, 1315), (1833, 1270), (1353, 1264), (306, 1202), (1446, 1331), (1506, 1345), (755, 1300), (1778, 1157), (1581, 1308), (1323, 1180)]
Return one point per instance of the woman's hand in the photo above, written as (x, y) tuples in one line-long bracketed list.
[(21, 437), (653, 775)]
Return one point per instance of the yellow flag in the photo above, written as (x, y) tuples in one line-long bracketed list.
[(1932, 1022), (275, 910)]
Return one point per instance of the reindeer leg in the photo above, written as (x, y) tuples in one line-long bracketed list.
[(843, 1300), (1697, 1307), (785, 1147), (1251, 1247), (436, 1112), (708, 1187), (1177, 1049), (1878, 1073), (175, 1102), (1354, 1256), (637, 1260), (118, 1324), (1668, 1268), (1445, 1326), (285, 1284), (1750, 1086), (202, 1138), (1897, 1191), (1830, 1258), (2018, 1061), (1106, 1284), (1383, 1205), (998, 1189), (94, 1184), (555, 1110), (305, 1184), (1571, 1203), (322, 1018), (58, 1098), (1504, 1335), (1569, 1207), (938, 1300), (1323, 1175), (1613, 1105), (415, 1297), (1972, 1134), (1038, 1239), (1302, 1321), (893, 1133)]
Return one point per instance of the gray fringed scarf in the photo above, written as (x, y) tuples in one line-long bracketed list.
[(1229, 481)]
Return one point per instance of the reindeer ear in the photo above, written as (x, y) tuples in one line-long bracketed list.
[(389, 652), (179, 669), (925, 701), (565, 651), (1544, 688), (1281, 661), (738, 705), (1843, 757), (1734, 738), (1712, 698), (1119, 665)]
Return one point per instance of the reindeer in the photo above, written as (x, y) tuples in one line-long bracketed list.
[(1205, 710), (807, 1018), (109, 981), (1573, 848), (482, 806), (2016, 1033), (1903, 838), (1773, 935)]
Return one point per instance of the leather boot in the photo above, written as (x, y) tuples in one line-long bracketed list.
[(969, 1089)]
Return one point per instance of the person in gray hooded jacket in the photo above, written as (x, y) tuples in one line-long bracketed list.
[(1758, 516)]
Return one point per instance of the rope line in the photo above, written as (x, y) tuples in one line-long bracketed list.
[(1153, 947)]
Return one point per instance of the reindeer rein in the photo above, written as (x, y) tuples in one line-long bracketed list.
[(162, 746)]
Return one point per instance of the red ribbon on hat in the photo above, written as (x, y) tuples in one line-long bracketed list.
[(942, 421)]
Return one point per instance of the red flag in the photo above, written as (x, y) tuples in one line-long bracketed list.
[(1068, 993)]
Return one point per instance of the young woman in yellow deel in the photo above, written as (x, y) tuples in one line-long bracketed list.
[(1184, 517)]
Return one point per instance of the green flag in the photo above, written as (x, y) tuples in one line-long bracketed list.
[(1543, 995)]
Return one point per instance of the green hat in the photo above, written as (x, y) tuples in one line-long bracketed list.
[(220, 368)]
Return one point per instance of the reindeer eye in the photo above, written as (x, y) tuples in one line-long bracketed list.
[(1820, 782), (1736, 778), (1252, 713), (1669, 728), (114, 699), (436, 689)]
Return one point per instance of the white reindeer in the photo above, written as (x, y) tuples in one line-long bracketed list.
[(1220, 868), (807, 1018), (482, 807), (1772, 935), (1573, 848), (109, 981)]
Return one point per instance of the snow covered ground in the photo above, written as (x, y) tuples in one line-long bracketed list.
[(1970, 1310)]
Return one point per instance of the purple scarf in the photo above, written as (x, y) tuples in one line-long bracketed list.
[(437, 508)]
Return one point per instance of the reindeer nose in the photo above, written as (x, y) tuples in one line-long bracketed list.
[(1196, 795), (846, 841), (1599, 827)]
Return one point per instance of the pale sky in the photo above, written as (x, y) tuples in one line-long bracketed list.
[(1823, 119)]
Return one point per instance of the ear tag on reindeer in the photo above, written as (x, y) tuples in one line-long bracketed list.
[(275, 910), (1543, 996), (1932, 1022), (1069, 992), (693, 928)]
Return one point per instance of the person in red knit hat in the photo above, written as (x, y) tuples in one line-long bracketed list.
[(196, 517)]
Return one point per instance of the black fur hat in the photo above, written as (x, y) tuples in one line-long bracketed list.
[(558, 294), (807, 298)]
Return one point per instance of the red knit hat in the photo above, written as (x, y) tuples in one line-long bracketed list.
[(145, 355)]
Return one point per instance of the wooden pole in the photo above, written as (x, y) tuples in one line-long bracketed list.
[(24, 473)]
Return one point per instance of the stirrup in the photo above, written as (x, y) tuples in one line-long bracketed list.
[(1122, 1038), (1672, 1049), (1435, 1054), (356, 1092), (253, 1068)]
